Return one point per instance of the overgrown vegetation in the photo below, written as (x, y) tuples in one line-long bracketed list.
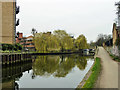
[(94, 75)]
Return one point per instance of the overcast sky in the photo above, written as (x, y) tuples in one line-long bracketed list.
[(88, 17)]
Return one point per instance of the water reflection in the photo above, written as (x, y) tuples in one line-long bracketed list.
[(12, 73), (43, 66), (58, 66)]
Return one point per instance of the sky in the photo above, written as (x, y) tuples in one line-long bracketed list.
[(88, 17)]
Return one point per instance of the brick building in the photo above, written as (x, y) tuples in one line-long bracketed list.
[(26, 42), (8, 21)]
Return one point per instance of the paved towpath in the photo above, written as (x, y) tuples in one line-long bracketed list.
[(109, 74)]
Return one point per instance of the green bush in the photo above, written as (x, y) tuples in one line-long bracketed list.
[(117, 42), (10, 47)]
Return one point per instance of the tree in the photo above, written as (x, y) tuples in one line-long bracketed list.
[(64, 39), (81, 42), (102, 38), (92, 44), (45, 42)]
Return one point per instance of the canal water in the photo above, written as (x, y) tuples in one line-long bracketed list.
[(48, 71)]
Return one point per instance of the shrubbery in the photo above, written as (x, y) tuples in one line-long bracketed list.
[(118, 44), (15, 47)]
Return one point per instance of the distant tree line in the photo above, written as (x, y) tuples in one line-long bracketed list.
[(59, 40), (102, 38)]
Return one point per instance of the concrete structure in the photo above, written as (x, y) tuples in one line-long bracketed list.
[(116, 33), (8, 11)]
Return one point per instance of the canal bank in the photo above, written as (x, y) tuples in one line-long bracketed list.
[(87, 81), (92, 75), (11, 58)]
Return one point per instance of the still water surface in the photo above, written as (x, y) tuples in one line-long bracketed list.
[(63, 71)]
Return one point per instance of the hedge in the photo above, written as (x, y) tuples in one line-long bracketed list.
[(15, 47)]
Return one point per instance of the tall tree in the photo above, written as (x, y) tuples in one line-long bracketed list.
[(81, 42), (64, 39), (102, 38)]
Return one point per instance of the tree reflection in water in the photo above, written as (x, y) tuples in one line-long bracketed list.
[(58, 66)]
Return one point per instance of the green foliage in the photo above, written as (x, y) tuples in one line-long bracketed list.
[(9, 47), (81, 42), (94, 75), (117, 42), (102, 38), (64, 40), (45, 41), (92, 44), (17, 47), (4, 47), (116, 58), (60, 40)]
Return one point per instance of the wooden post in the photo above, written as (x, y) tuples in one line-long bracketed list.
[(2, 58), (9, 59), (12, 58), (6, 59), (20, 57)]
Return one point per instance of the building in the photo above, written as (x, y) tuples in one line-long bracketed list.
[(116, 33), (8, 21), (26, 42)]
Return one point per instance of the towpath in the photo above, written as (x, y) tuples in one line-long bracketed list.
[(109, 71)]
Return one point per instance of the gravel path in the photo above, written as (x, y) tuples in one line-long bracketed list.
[(109, 74)]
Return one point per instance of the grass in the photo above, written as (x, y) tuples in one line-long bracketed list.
[(116, 58), (94, 75)]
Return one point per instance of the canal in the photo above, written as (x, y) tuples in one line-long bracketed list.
[(47, 71)]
